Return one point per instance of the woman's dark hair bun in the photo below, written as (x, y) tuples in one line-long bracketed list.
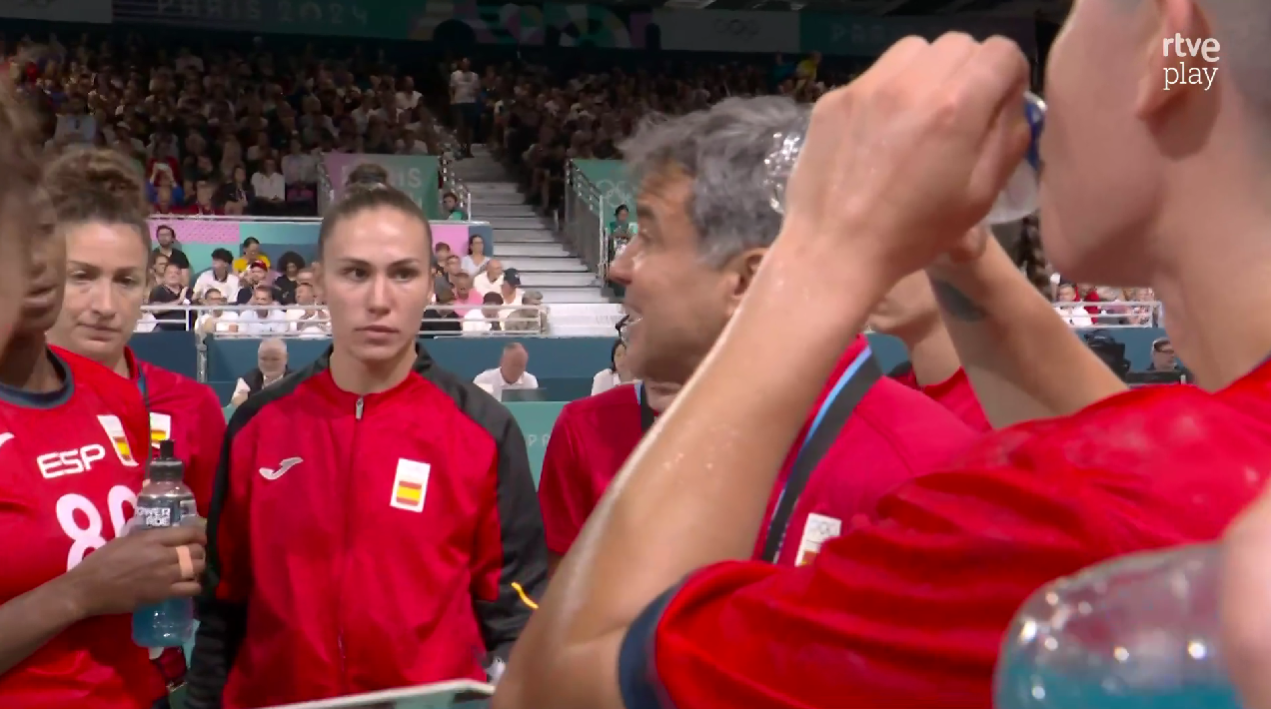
[(96, 183)]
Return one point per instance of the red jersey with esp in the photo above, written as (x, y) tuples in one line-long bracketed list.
[(71, 463), (189, 414), (909, 610), (360, 543), (892, 435)]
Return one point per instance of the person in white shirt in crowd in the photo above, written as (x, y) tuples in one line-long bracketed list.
[(485, 319), (476, 261), (1070, 309), (269, 184), (491, 279), (216, 321), (530, 317), (220, 276), (510, 374), (464, 87), (264, 318), (617, 373), (410, 144), (511, 292), (306, 318), (407, 96), (271, 367), (298, 166)]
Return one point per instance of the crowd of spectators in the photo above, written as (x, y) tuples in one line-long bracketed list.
[(222, 131)]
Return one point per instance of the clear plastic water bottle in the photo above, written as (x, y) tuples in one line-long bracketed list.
[(1018, 200), (164, 501), (1140, 632)]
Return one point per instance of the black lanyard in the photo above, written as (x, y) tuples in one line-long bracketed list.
[(647, 414)]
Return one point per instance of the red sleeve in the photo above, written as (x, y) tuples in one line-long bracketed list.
[(564, 492), (209, 434), (904, 613)]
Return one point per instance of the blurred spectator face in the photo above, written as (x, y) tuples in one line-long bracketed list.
[(1163, 355), (172, 276), (494, 271), (443, 251), (449, 202), (165, 195), (490, 306), (476, 245), (213, 297), (263, 296), (251, 251), (166, 236), (158, 268), (205, 191), (305, 277), (272, 360), (622, 215), (513, 363), (1066, 294), (453, 265), (461, 283), (269, 166), (305, 295), (256, 274), (220, 268), (240, 174)]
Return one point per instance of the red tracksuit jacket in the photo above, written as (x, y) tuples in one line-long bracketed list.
[(364, 543)]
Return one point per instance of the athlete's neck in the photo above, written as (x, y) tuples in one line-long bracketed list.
[(27, 366), (933, 356), (1214, 294), (361, 378)]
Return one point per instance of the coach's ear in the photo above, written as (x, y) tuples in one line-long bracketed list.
[(740, 271)]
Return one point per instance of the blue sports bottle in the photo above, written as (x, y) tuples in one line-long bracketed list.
[(164, 501), (1139, 632)]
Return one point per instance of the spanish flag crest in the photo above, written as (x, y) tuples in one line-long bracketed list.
[(118, 439), (410, 485)]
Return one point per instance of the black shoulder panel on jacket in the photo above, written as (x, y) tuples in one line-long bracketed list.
[(524, 574)]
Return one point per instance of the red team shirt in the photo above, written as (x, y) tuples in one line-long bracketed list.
[(909, 610), (70, 467), (189, 414), (892, 435), (954, 394)]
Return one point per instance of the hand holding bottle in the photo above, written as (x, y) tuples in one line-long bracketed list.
[(143, 567)]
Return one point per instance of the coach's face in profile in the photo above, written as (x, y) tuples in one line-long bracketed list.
[(679, 300)]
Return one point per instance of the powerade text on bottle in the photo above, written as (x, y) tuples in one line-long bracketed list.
[(164, 501)]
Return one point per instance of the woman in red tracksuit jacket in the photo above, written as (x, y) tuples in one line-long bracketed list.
[(374, 522), (107, 261)]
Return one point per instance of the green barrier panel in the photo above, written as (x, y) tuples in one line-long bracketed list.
[(536, 419)]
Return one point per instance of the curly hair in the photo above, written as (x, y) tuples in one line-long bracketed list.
[(98, 185)]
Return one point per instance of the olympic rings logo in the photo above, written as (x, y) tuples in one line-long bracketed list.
[(737, 27)]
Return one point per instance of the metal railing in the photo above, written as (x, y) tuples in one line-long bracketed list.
[(584, 224), (326, 189), (285, 321), (450, 182)]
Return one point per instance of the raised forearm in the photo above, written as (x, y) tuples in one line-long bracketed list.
[(1022, 359)]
